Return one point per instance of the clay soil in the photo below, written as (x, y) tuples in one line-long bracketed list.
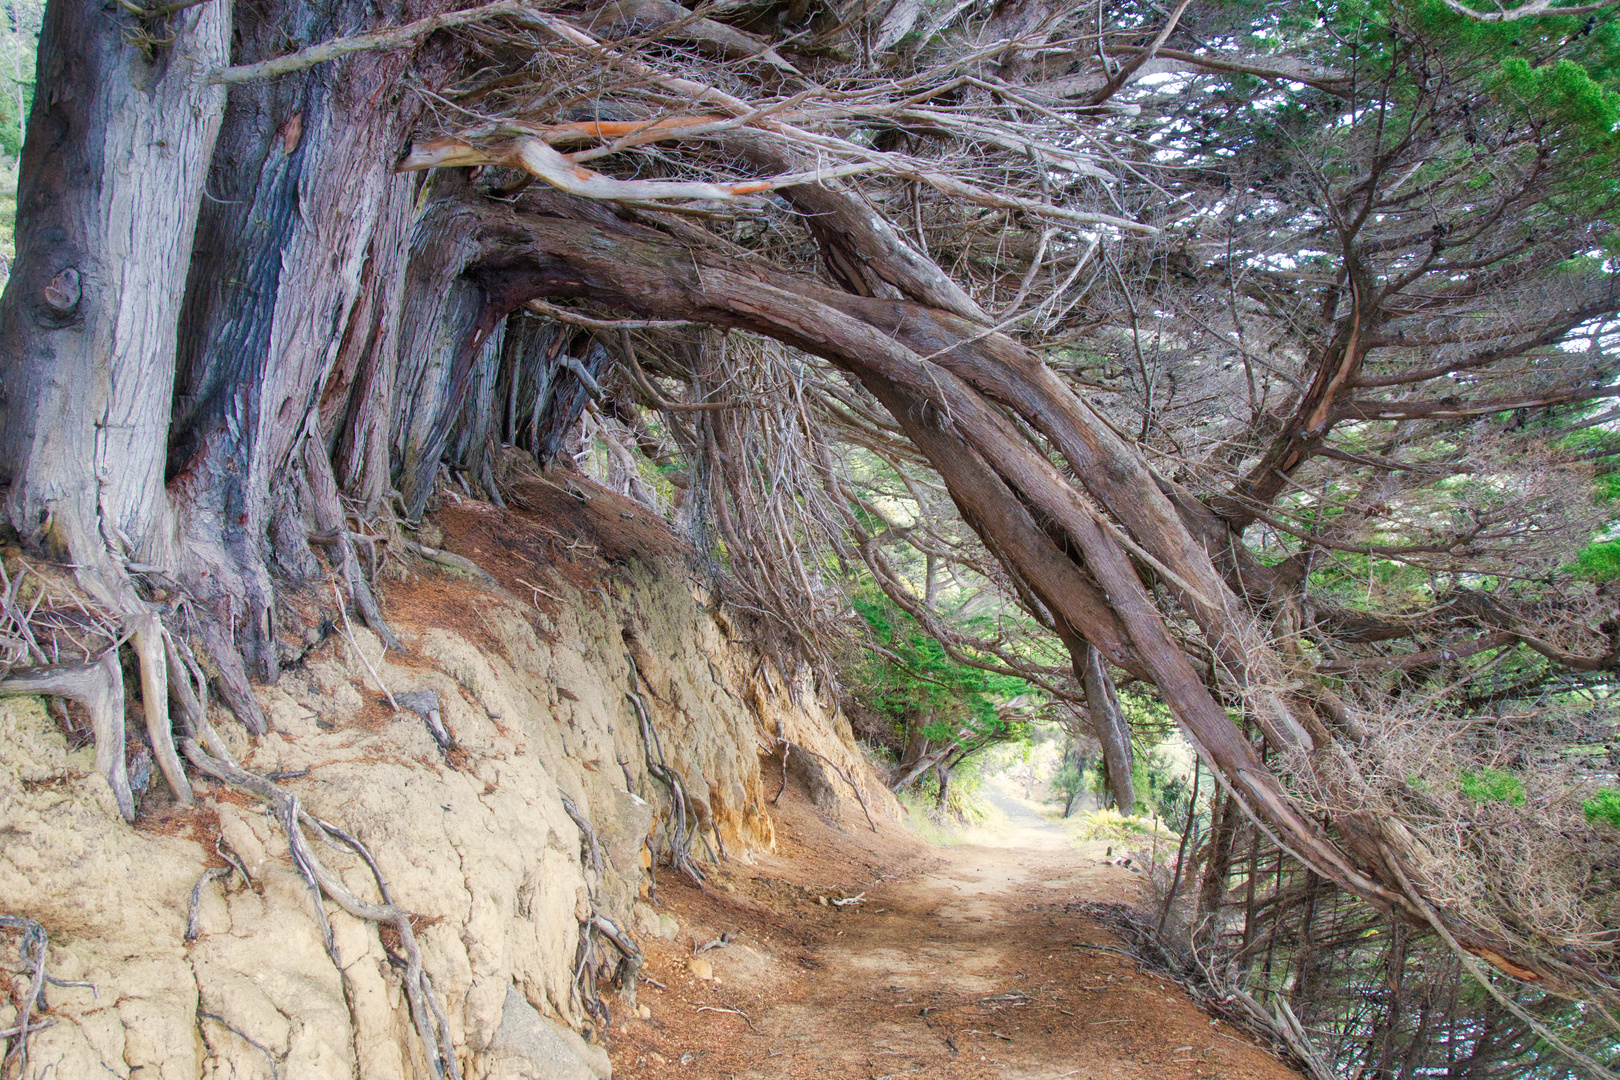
[(957, 963)]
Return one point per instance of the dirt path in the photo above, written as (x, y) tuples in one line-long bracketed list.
[(961, 962)]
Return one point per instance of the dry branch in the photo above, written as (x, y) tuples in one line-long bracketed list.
[(394, 38)]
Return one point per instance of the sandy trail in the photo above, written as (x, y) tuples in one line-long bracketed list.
[(960, 962)]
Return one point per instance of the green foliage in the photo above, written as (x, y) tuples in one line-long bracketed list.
[(919, 680), (1110, 824), (1608, 487), (1600, 561), (1489, 785), (1604, 807), (1565, 93), (1070, 780)]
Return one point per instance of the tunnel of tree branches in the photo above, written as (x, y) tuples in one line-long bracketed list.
[(1246, 365)]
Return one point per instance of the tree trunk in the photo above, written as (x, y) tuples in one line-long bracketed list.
[(111, 180), (1112, 730), (112, 177)]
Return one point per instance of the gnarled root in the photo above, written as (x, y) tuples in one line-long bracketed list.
[(147, 639), (680, 838), (630, 958), (449, 559), (32, 950), (831, 764), (432, 1027), (365, 601), (99, 687)]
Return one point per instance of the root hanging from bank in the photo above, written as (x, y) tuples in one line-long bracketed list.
[(432, 1026), (99, 687), (681, 805), (589, 957)]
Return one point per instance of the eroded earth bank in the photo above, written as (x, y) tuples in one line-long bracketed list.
[(954, 962)]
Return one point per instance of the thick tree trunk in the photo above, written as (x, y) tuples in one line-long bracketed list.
[(300, 187), (111, 179), (112, 176)]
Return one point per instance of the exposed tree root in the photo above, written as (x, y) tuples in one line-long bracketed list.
[(275, 1062), (680, 836), (365, 601), (630, 958), (586, 830), (150, 653), (99, 687), (213, 873), (447, 558), (788, 745), (32, 951), (425, 703), (348, 635), (431, 1026), (585, 966)]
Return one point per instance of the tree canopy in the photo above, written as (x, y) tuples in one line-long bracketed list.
[(1256, 354)]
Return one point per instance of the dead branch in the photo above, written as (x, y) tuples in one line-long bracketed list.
[(381, 40)]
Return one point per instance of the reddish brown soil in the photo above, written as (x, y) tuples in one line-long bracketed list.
[(961, 962)]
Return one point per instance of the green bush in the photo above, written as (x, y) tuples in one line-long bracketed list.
[(1492, 785), (1068, 781), (1110, 824), (1605, 807)]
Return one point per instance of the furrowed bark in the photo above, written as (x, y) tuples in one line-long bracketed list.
[(301, 184), (88, 321)]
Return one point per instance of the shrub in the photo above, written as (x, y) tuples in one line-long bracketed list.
[(1110, 824)]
